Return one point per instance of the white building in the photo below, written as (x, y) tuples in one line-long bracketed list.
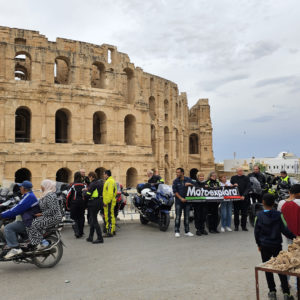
[(284, 161)]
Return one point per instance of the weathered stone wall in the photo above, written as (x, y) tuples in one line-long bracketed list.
[(69, 89)]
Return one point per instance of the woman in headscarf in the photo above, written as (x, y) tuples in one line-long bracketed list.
[(50, 215)]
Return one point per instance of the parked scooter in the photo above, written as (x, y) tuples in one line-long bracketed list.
[(154, 205)]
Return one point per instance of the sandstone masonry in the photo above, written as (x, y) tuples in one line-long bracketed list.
[(67, 105)]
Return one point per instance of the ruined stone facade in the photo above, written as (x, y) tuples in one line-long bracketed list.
[(67, 105)]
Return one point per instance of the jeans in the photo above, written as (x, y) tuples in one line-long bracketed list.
[(226, 213), (266, 254), (179, 206), (93, 209), (11, 232), (240, 206)]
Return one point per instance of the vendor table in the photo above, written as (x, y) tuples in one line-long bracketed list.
[(264, 269)]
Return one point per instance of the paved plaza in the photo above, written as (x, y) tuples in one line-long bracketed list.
[(143, 263)]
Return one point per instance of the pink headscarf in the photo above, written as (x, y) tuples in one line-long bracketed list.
[(49, 186)]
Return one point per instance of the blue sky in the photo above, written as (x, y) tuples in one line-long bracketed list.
[(243, 55)]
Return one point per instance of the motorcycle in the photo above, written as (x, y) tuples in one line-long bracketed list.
[(154, 205), (45, 258), (121, 200)]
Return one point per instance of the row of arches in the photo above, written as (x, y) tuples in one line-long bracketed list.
[(63, 127), (152, 109), (62, 73), (65, 175)]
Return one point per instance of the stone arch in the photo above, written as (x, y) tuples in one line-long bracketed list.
[(130, 90), (166, 139), (61, 70), (63, 175), (22, 174), (62, 126), (152, 110), (166, 109), (22, 125), (194, 144), (153, 139), (100, 172), (130, 130), (131, 177), (193, 173), (99, 127), (22, 66), (98, 75)]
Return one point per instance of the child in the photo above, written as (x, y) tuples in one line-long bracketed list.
[(269, 224)]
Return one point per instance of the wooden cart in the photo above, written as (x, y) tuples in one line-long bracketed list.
[(288, 273)]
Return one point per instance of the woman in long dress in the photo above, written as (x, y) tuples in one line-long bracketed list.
[(50, 215)]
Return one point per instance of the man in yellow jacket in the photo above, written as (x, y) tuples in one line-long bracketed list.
[(109, 201)]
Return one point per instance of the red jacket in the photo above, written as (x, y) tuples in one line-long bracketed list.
[(291, 213)]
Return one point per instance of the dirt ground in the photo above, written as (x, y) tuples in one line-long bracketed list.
[(143, 263)]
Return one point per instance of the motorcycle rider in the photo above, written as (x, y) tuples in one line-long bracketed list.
[(261, 179), (94, 197), (109, 202), (154, 179), (26, 208), (283, 181), (180, 189)]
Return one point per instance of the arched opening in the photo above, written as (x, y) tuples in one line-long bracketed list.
[(166, 108), (176, 110), (62, 126), (63, 175), (99, 127), (152, 107), (129, 90), (193, 145), (193, 173), (22, 125), (22, 174), (100, 173), (130, 130), (153, 139), (98, 75), (131, 177), (151, 86), (22, 66), (177, 146), (166, 139), (61, 70)]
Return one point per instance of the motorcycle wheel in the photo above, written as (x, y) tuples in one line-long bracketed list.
[(143, 220), (49, 260), (164, 222)]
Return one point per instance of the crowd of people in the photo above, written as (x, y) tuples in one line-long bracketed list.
[(33, 217)]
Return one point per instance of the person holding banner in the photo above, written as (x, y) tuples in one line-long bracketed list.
[(212, 207), (180, 185), (243, 184), (200, 209), (226, 207)]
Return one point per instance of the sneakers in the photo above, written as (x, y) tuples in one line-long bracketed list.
[(13, 252), (198, 233), (236, 228), (188, 234), (244, 229), (288, 297), (204, 232), (272, 296), (98, 241), (228, 229), (44, 244), (222, 229), (177, 234)]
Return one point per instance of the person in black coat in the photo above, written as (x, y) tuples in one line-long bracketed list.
[(77, 204), (261, 179), (200, 209), (243, 184), (213, 207)]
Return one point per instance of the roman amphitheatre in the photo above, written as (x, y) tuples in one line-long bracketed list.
[(67, 105)]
